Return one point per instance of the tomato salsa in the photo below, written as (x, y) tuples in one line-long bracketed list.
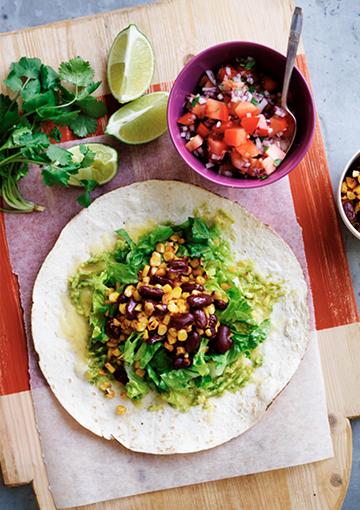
[(233, 121)]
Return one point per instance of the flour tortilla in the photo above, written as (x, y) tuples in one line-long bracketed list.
[(60, 333)]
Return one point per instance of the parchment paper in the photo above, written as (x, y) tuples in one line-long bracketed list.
[(84, 469)]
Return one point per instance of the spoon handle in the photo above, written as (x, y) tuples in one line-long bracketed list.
[(293, 43)]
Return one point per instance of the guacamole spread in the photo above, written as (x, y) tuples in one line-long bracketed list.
[(172, 312)]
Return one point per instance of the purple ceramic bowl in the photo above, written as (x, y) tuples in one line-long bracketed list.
[(271, 63)]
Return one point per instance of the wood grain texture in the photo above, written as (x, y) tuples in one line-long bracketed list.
[(169, 25)]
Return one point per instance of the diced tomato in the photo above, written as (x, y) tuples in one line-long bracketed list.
[(199, 110), (278, 124), (250, 124), (219, 130), (217, 147), (230, 85), (223, 71), (247, 149), (237, 160), (216, 110), (234, 136), (194, 143), (275, 152), (202, 130), (269, 84), (187, 119), (262, 128), (241, 109), (268, 165)]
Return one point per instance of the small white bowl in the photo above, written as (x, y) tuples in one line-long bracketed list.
[(352, 229)]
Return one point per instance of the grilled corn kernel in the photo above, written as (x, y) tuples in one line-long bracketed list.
[(194, 263), (168, 346), (140, 372), (112, 343), (146, 280), (351, 183), (116, 353), (200, 280), (225, 286), (210, 309), (104, 385), (169, 255), (140, 326), (129, 290), (172, 332), (185, 295), (166, 319), (113, 297), (200, 331), (161, 271), (146, 270), (149, 308), (110, 368), (171, 339), (116, 322), (146, 335), (166, 298), (172, 307), (167, 288), (155, 259), (138, 307), (160, 247), (351, 195), (120, 410), (182, 335), (180, 350), (153, 270), (153, 324), (208, 332), (122, 308), (176, 292), (136, 295), (162, 329), (355, 173), (109, 393)]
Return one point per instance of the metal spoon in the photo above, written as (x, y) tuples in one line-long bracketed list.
[(293, 43)]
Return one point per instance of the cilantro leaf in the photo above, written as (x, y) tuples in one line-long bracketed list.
[(55, 134), (61, 116), (31, 89), (88, 154), (9, 114), (25, 68), (76, 71), (92, 107), (83, 125), (36, 101), (85, 199), (53, 174), (48, 77), (89, 89), (59, 155)]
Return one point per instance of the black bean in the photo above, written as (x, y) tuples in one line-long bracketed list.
[(121, 375), (111, 330), (130, 311), (179, 362), (162, 280), (154, 338), (223, 341), (151, 292), (220, 304), (189, 287), (177, 266), (160, 309), (199, 300), (200, 319), (193, 342), (181, 320), (122, 298)]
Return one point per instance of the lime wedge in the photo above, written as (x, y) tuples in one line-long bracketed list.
[(102, 169), (130, 65), (141, 120)]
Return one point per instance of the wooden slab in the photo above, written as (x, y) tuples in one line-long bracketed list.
[(177, 29)]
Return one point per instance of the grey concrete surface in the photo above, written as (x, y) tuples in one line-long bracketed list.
[(331, 37)]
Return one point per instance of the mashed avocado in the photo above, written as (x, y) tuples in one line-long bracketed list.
[(146, 303)]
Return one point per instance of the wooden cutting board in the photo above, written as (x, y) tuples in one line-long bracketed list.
[(178, 29)]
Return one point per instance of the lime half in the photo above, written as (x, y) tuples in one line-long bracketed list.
[(102, 169), (141, 120), (130, 65)]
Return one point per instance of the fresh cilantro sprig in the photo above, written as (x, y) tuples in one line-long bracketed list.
[(40, 95)]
